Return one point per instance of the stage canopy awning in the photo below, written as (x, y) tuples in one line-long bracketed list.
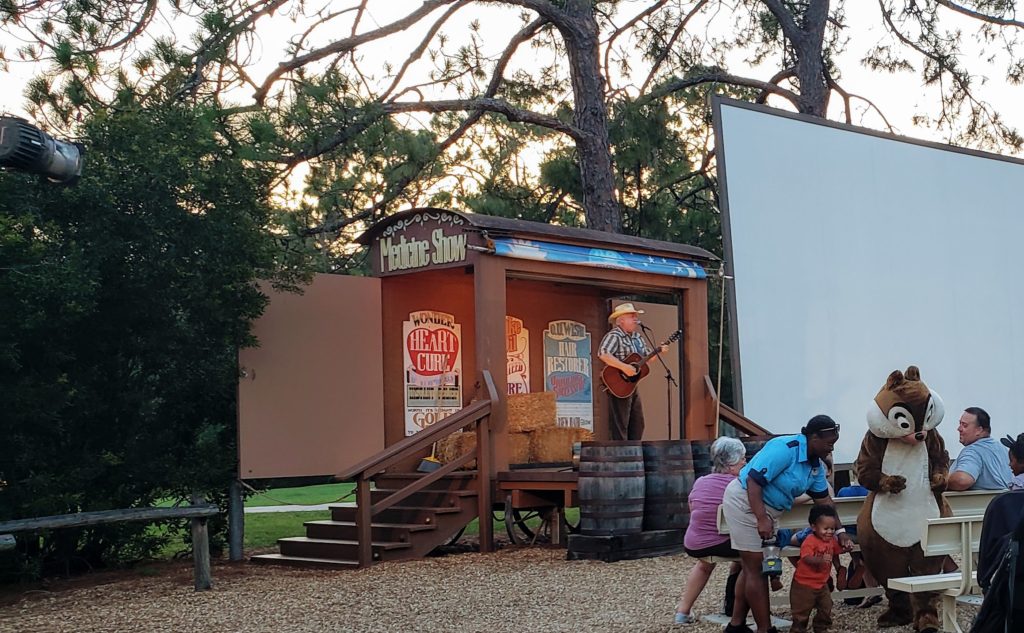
[(596, 257)]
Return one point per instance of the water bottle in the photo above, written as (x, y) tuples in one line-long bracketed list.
[(771, 563)]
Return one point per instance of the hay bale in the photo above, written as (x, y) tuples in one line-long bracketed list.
[(554, 445), (456, 445), (519, 448), (531, 411)]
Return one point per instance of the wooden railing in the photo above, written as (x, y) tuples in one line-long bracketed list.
[(476, 414), (198, 512), (729, 415)]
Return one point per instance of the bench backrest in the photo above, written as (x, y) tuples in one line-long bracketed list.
[(796, 518), (968, 503), (952, 535)]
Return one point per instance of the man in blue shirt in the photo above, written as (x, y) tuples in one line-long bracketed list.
[(787, 467), (983, 463)]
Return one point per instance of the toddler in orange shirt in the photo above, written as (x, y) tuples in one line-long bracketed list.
[(809, 591)]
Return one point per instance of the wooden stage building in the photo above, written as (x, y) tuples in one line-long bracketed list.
[(361, 377)]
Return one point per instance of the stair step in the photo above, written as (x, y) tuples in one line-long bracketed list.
[(346, 530), (333, 548), (336, 541), (426, 498), (396, 514), (304, 561), (458, 480)]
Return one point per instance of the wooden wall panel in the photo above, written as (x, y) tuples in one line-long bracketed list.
[(311, 395)]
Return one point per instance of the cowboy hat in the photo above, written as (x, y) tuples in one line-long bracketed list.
[(625, 308)]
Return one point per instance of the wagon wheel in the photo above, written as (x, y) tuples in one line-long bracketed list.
[(519, 532)]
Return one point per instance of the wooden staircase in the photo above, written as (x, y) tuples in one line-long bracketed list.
[(406, 515), (423, 521)]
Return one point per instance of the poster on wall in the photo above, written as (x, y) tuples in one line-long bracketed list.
[(517, 347), (432, 351), (567, 372)]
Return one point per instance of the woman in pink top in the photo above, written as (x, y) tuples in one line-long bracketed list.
[(728, 456)]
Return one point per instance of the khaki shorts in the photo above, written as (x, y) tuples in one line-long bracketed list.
[(741, 520)]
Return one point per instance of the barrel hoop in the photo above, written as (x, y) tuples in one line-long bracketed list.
[(597, 473), (629, 501), (612, 458), (610, 515)]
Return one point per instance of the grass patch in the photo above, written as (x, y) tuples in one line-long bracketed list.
[(306, 495), (262, 530)]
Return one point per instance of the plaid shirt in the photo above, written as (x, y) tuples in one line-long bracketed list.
[(620, 345)]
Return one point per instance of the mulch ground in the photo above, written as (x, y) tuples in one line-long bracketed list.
[(516, 589)]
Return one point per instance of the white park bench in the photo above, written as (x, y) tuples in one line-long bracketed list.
[(969, 504), (943, 537)]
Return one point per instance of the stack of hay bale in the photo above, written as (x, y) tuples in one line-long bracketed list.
[(533, 437)]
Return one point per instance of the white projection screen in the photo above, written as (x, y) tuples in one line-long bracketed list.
[(855, 253)]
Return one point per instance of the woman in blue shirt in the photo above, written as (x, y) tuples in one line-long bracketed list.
[(787, 467)]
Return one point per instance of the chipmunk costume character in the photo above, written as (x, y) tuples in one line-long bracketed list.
[(904, 463)]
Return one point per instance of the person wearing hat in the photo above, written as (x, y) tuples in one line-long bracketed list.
[(626, 416), (982, 464), (785, 468), (1016, 447)]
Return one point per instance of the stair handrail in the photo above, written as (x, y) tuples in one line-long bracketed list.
[(476, 414), (730, 415), (422, 440)]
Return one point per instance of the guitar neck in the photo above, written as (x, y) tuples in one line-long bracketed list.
[(671, 339)]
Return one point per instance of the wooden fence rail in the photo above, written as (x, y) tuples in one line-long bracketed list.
[(198, 512)]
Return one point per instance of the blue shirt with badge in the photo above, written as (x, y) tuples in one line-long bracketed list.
[(785, 472)]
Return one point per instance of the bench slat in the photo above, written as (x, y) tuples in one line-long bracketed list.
[(108, 516), (933, 582)]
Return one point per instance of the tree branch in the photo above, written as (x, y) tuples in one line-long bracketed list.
[(347, 44), (418, 52), (620, 30), (668, 47), (398, 187), (785, 73), (498, 106), (984, 17), (722, 78), (790, 28)]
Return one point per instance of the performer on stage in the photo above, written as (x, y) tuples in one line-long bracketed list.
[(626, 418)]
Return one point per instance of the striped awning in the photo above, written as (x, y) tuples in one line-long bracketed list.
[(597, 257)]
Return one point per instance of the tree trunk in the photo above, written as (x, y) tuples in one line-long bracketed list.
[(580, 34), (810, 64)]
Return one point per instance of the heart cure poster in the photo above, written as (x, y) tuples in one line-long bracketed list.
[(432, 350)]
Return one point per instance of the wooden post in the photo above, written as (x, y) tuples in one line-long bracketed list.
[(364, 518), (236, 522), (201, 548), (695, 366), (483, 466), (491, 354)]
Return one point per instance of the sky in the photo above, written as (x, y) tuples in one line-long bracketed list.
[(899, 96)]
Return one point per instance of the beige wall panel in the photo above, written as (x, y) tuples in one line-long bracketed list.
[(311, 399), (663, 321)]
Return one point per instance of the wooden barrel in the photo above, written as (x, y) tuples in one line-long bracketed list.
[(668, 471), (701, 451), (754, 443), (611, 488)]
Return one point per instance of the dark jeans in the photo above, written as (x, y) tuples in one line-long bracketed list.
[(627, 418)]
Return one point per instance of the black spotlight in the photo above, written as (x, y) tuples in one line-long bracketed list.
[(25, 147)]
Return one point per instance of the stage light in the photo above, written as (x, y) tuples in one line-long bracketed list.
[(25, 147)]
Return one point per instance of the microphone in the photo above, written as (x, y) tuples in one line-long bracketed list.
[(643, 325)]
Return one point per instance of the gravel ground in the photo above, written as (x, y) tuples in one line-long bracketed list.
[(516, 589)]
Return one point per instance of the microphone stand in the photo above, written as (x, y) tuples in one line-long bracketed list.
[(669, 378)]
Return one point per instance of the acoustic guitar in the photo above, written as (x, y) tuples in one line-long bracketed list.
[(619, 384)]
